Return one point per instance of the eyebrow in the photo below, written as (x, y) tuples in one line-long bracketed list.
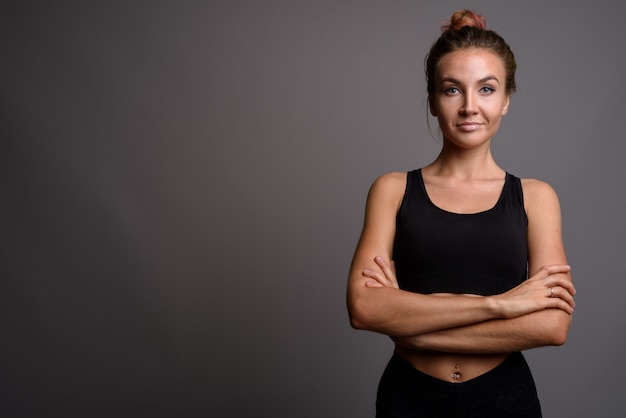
[(482, 80)]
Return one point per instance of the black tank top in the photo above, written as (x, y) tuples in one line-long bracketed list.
[(436, 251)]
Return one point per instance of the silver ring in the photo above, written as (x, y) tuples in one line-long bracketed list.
[(551, 292)]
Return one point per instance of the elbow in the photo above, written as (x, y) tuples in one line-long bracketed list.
[(558, 337), (358, 318), (356, 323), (360, 313), (557, 328)]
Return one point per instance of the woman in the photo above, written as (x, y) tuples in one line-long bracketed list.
[(463, 234)]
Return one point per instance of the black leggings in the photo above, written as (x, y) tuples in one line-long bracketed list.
[(507, 391)]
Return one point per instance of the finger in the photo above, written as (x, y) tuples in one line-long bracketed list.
[(562, 281), (554, 275), (563, 294), (557, 268), (373, 283), (389, 271), (372, 274), (384, 266), (559, 303), (377, 276), (551, 269), (547, 271)]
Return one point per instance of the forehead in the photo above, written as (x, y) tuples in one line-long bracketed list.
[(471, 63)]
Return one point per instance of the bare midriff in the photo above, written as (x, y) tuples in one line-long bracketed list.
[(449, 367)]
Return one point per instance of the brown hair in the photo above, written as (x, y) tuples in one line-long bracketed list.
[(468, 30)]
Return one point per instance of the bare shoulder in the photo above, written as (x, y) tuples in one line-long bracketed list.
[(394, 180), (537, 191), (534, 186), (539, 194), (389, 188)]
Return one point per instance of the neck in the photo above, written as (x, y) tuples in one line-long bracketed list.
[(465, 164)]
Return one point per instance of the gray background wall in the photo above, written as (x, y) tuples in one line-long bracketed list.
[(183, 186)]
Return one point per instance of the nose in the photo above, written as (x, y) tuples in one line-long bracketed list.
[(469, 105)]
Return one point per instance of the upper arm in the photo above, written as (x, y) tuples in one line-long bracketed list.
[(545, 242), (379, 227), (545, 247)]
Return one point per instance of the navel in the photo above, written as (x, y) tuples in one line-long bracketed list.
[(456, 374)]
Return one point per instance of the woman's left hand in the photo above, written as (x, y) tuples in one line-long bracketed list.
[(384, 278)]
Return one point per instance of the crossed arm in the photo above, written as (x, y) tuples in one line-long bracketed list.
[(535, 313)]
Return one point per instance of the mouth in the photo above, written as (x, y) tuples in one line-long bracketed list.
[(468, 126)]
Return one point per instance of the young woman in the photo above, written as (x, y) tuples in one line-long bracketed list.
[(459, 262)]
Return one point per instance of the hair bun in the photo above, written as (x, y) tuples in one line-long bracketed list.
[(465, 18)]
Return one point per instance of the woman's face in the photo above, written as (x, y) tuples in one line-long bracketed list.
[(470, 97)]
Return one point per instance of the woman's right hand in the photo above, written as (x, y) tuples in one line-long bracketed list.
[(549, 288), (385, 278)]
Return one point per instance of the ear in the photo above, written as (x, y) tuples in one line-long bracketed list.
[(433, 111), (505, 108)]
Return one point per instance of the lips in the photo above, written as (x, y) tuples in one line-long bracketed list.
[(468, 126)]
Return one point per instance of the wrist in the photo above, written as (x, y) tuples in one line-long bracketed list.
[(494, 306)]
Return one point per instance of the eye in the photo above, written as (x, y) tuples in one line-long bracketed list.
[(451, 91), (487, 90)]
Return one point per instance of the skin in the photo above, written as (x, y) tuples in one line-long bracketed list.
[(441, 334)]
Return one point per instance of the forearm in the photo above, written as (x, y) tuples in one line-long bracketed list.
[(542, 328), (396, 312), (391, 311)]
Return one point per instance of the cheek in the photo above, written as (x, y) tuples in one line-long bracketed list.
[(442, 109)]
